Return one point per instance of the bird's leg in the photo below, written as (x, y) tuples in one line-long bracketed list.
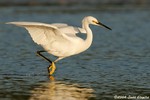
[(52, 67), (39, 53)]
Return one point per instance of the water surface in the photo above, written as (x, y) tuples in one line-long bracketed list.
[(117, 63)]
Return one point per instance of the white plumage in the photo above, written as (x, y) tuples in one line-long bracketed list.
[(60, 39)]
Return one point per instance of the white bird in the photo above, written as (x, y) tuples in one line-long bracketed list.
[(59, 39)]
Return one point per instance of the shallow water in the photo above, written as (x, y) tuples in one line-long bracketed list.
[(117, 63)]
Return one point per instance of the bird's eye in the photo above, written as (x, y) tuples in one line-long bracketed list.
[(94, 21)]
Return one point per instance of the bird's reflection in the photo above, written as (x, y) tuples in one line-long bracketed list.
[(52, 78), (57, 90)]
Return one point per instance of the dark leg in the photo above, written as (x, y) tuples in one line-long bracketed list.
[(52, 67), (39, 53)]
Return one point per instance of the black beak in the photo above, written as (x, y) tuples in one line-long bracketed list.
[(99, 23)]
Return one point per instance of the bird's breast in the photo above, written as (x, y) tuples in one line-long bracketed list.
[(60, 49)]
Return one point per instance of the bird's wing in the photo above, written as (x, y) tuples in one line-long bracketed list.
[(72, 30), (59, 24), (42, 33), (68, 29)]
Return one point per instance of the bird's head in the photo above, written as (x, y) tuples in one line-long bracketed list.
[(94, 21)]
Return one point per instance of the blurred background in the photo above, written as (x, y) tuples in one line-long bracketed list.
[(76, 4), (116, 64), (73, 2)]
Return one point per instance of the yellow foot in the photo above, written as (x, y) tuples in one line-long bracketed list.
[(51, 78), (51, 68)]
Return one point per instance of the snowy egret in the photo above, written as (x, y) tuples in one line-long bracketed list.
[(59, 39)]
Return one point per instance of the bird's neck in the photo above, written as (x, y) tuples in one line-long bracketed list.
[(89, 38)]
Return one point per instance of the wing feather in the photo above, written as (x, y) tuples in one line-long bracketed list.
[(59, 24), (41, 33), (68, 29)]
